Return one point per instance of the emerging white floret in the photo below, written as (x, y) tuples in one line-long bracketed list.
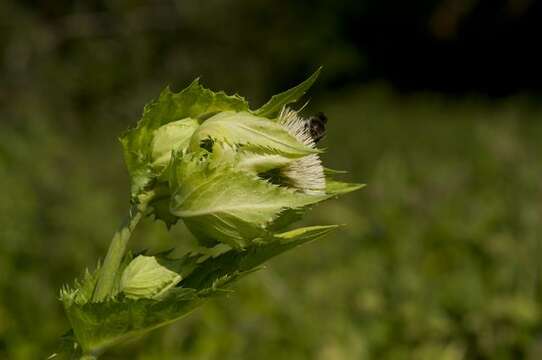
[(307, 173)]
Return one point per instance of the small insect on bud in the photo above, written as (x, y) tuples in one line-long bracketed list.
[(316, 125)]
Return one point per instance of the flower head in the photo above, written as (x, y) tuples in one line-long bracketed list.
[(230, 173)]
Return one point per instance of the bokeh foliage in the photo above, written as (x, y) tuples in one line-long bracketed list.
[(441, 255)]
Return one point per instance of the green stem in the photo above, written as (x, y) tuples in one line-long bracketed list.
[(117, 248)]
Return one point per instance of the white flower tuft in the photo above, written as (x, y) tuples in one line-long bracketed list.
[(307, 173)]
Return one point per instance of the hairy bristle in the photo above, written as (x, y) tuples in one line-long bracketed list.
[(307, 173)]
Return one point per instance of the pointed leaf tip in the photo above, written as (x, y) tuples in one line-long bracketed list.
[(277, 102), (306, 234), (336, 188)]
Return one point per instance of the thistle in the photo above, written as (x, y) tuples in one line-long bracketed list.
[(236, 177)]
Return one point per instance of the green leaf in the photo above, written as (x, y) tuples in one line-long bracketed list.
[(288, 217), (251, 133), (277, 102), (144, 277), (336, 188), (304, 234), (193, 102), (231, 265), (220, 203), (333, 189)]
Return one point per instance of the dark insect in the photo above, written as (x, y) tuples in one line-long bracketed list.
[(207, 144), (317, 126)]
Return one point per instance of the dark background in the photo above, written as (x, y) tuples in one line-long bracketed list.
[(434, 104)]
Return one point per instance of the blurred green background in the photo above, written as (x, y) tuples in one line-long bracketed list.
[(434, 104)]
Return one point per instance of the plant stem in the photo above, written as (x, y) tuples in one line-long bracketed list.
[(117, 248)]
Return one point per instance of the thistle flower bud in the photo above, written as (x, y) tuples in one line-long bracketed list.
[(234, 172), (235, 176)]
